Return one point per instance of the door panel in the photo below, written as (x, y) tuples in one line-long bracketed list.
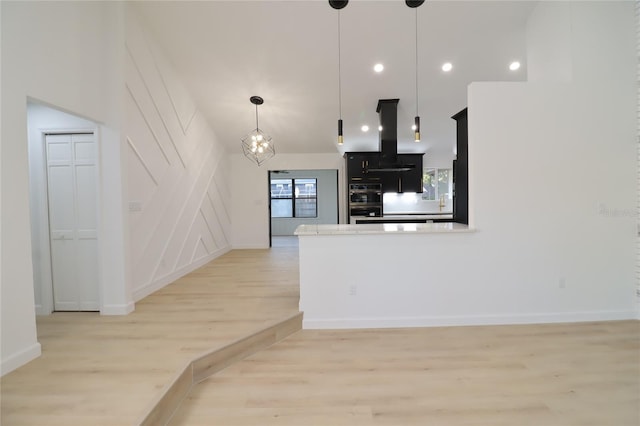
[(87, 265), (72, 179), (85, 197), (63, 253)]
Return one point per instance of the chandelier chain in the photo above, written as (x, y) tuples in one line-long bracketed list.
[(257, 126)]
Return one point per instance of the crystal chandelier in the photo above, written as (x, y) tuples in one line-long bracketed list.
[(257, 146)]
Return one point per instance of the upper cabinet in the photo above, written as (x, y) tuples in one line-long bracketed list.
[(461, 170), (403, 175), (411, 180), (358, 164)]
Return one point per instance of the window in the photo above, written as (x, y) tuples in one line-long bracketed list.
[(294, 198), (437, 183)]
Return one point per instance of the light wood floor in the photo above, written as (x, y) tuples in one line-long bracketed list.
[(284, 241), (100, 370), (105, 370), (543, 375)]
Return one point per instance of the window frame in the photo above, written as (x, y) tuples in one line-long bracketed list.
[(437, 170), (293, 198)]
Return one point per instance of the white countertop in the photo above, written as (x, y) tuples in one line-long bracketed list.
[(383, 228)]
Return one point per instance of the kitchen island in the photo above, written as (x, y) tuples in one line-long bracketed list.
[(380, 275)]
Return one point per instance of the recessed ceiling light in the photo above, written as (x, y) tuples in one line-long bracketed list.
[(378, 67), (447, 66), (365, 128), (515, 65), (379, 128)]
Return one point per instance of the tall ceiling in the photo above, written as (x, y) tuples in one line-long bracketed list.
[(287, 53)]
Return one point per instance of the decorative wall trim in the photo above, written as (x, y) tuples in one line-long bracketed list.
[(142, 292), (176, 179), (352, 323), (19, 359), (142, 162)]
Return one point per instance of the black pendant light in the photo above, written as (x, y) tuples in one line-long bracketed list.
[(339, 4), (416, 123), (414, 3)]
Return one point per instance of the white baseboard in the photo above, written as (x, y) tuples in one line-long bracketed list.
[(122, 309), (20, 358), (444, 321), (40, 310), (142, 292)]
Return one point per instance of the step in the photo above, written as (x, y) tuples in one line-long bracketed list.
[(207, 364)]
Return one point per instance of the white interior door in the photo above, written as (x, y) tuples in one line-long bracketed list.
[(71, 173)]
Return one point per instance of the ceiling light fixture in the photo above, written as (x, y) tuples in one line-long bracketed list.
[(365, 128), (339, 4), (378, 67), (514, 66), (258, 146), (414, 4), (447, 66)]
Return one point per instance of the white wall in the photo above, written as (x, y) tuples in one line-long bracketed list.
[(251, 196), (42, 118), (552, 194), (573, 192), (179, 198), (68, 55), (637, 2), (549, 56)]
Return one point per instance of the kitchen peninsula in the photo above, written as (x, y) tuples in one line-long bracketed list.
[(379, 275)]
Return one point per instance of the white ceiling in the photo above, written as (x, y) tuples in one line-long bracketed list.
[(287, 53)]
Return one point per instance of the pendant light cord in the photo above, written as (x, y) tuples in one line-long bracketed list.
[(416, 61), (339, 73), (257, 126)]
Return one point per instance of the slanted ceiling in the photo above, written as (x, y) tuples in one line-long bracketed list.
[(287, 52)]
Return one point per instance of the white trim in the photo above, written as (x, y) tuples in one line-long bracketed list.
[(45, 265), (445, 321), (147, 289), (40, 310), (118, 309), (20, 358)]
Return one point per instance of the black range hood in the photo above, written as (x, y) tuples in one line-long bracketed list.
[(387, 110)]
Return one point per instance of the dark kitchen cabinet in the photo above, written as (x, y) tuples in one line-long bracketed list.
[(358, 164), (461, 170), (411, 179), (407, 177)]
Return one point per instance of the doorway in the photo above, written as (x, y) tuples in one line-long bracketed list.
[(298, 197), (64, 160), (72, 207)]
